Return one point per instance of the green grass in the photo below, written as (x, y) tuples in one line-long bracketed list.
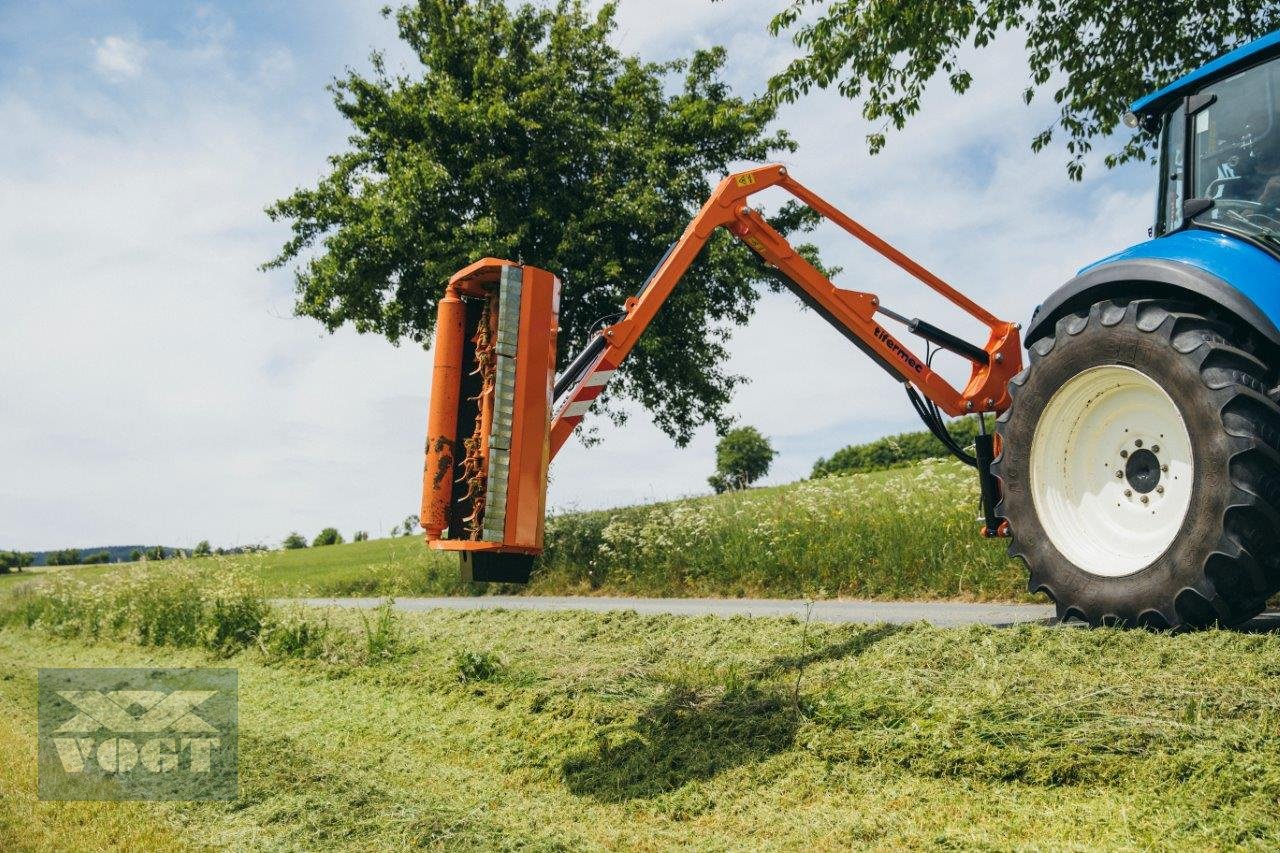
[(909, 533), (497, 730)]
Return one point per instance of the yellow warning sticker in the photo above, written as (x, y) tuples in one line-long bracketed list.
[(745, 180)]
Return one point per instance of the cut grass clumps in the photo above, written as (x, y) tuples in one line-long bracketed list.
[(587, 731), (476, 666), (910, 533)]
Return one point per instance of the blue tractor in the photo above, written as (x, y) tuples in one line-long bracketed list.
[(1140, 462)]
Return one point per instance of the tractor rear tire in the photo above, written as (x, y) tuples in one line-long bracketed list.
[(1140, 469)]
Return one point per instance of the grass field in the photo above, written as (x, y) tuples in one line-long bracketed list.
[(909, 533), (503, 730)]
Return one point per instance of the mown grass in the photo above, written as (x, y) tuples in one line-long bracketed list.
[(503, 730), (909, 533)]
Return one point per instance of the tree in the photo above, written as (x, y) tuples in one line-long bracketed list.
[(328, 536), (159, 552), (96, 559), (15, 561), (1097, 56), (409, 525), (526, 135), (743, 456), (294, 541), (202, 549), (65, 557), (135, 555), (360, 536)]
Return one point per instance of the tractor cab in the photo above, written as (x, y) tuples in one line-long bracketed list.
[(1227, 115)]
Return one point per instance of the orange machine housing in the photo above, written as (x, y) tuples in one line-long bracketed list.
[(488, 429)]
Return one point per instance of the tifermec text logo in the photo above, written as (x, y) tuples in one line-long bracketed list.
[(137, 734)]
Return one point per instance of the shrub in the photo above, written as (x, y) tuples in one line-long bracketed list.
[(360, 536), (895, 451), (293, 541), (96, 559), (328, 536)]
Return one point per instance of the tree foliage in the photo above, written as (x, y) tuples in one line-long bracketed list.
[(294, 541), (328, 536), (525, 134), (895, 450), (1095, 56), (63, 557), (15, 561), (743, 456), (202, 549)]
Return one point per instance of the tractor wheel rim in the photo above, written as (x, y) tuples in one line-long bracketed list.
[(1111, 471)]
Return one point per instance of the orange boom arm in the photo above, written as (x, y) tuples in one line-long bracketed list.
[(852, 312)]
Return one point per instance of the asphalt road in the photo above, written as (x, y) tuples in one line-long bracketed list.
[(941, 613)]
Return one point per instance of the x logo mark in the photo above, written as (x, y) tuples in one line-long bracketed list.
[(111, 710)]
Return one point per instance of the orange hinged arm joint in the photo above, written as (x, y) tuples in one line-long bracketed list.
[(853, 313)]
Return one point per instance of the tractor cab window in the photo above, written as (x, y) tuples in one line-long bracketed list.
[(1172, 147), (1236, 154)]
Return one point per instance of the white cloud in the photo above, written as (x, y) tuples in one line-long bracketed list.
[(116, 56)]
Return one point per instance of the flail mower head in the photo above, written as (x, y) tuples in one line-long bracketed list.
[(488, 430)]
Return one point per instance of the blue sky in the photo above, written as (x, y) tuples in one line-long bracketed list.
[(154, 386)]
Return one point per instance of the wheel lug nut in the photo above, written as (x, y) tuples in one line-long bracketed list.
[(1146, 499), (1124, 454), (1119, 475), (1164, 468), (1128, 493), (1159, 490), (1138, 443), (1155, 449)]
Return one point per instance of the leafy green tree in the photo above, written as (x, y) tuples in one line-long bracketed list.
[(294, 541), (328, 536), (202, 549), (409, 525), (743, 456), (360, 536), (97, 559), (15, 561), (159, 552), (135, 555), (525, 134), (1097, 56)]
